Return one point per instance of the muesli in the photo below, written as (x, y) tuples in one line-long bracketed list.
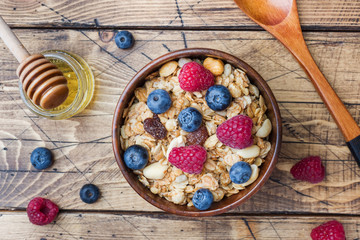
[(161, 133)]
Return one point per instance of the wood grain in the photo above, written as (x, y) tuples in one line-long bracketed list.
[(82, 144), (163, 226), (325, 14)]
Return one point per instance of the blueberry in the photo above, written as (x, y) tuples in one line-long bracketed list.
[(190, 119), (240, 172), (41, 158), (124, 39), (159, 101), (136, 157), (218, 97), (89, 193), (202, 199)]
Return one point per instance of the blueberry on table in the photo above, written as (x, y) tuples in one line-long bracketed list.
[(89, 193), (202, 199), (41, 158), (159, 101), (240, 172), (124, 39), (218, 97), (190, 119), (136, 157)]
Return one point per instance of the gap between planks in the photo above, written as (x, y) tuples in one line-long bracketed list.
[(77, 26), (161, 214)]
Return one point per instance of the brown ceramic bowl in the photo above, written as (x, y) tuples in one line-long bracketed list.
[(227, 203)]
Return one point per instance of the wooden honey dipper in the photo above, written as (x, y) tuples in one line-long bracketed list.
[(41, 80)]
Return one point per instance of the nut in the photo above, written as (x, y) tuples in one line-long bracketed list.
[(155, 171), (254, 90), (265, 150), (211, 142), (249, 152), (176, 142), (183, 61), (168, 68), (258, 161), (227, 70), (265, 129), (170, 125), (253, 177), (215, 66), (218, 194)]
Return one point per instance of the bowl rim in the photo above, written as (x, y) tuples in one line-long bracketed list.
[(154, 65)]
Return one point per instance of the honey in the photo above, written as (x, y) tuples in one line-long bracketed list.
[(72, 82), (80, 80)]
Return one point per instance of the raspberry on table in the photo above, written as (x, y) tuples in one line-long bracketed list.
[(236, 132), (41, 211), (189, 159), (332, 230), (309, 169), (195, 77)]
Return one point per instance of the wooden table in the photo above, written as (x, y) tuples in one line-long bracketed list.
[(284, 208)]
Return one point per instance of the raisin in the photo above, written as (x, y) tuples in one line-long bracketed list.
[(197, 137), (154, 127)]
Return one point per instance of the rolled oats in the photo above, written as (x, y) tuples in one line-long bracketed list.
[(170, 182)]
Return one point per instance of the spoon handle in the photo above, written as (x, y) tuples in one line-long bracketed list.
[(340, 114), (12, 42), (280, 18)]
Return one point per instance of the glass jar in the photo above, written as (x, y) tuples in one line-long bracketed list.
[(80, 82)]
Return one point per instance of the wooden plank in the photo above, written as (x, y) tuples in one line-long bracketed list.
[(15, 225), (338, 193), (325, 14), (82, 144)]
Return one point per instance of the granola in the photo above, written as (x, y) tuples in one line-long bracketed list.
[(172, 183)]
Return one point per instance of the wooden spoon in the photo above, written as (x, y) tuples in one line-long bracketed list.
[(280, 18), (41, 80)]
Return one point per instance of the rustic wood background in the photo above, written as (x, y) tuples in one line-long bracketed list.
[(283, 209)]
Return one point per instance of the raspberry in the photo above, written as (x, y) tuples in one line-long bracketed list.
[(194, 77), (309, 169), (41, 211), (236, 132), (332, 230), (189, 159)]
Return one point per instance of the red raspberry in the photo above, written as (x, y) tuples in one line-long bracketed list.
[(236, 132), (332, 230), (195, 77), (41, 211), (189, 159), (309, 169)]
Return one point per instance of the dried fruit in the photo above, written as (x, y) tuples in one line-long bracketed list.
[(154, 127), (197, 137)]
